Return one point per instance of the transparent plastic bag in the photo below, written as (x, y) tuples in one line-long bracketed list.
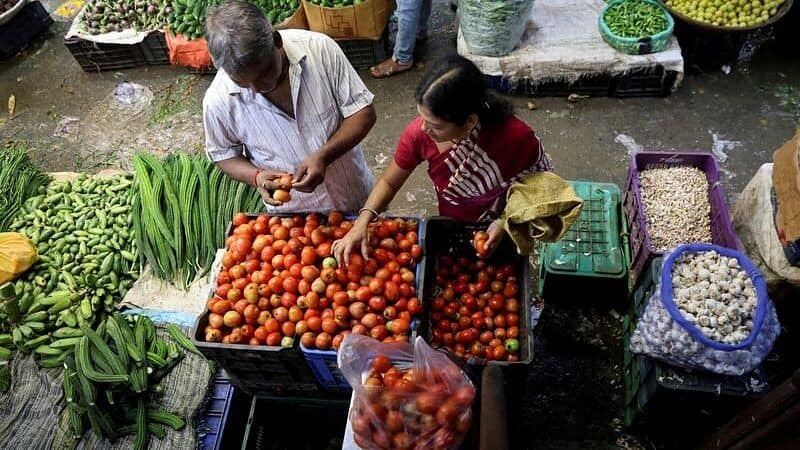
[(424, 401), (493, 27), (665, 333)]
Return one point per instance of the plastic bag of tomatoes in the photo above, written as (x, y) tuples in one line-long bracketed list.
[(405, 396)]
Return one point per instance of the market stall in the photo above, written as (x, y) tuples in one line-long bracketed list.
[(559, 46), (253, 307), (20, 23), (121, 34)]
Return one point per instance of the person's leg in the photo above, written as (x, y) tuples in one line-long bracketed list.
[(424, 15), (408, 16)]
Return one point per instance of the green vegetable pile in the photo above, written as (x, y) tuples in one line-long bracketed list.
[(19, 179), (87, 262), (182, 207), (277, 10), (112, 375), (733, 13), (104, 16), (635, 19), (189, 16), (493, 27)]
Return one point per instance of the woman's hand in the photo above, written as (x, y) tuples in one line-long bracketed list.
[(354, 240), (496, 234)]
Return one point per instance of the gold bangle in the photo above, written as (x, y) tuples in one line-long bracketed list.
[(374, 213)]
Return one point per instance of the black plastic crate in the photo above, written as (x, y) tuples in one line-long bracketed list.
[(224, 417), (296, 423), (155, 50), (259, 369), (655, 82), (29, 23), (364, 54), (97, 57), (445, 236)]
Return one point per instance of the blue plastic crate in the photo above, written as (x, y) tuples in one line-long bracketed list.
[(323, 363), (223, 404)]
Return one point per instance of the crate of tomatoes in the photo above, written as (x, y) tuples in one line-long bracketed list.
[(477, 306), (376, 297), (269, 291)]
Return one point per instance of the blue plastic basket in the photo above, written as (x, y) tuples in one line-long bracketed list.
[(323, 363), (223, 402)]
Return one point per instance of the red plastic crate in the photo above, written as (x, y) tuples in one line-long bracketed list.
[(642, 251)]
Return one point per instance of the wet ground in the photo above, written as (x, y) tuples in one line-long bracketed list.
[(574, 400)]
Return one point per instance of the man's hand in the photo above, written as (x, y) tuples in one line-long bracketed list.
[(310, 173), (266, 183)]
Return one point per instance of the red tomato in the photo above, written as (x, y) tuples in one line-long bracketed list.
[(363, 294), (370, 320), (240, 219), (379, 333), (414, 306), (323, 341), (377, 304), (391, 291), (290, 285), (324, 250), (309, 273), (376, 286), (398, 326), (314, 324)]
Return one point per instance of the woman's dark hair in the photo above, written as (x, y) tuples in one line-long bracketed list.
[(452, 88)]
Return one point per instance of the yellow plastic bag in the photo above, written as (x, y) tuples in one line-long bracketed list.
[(17, 254)]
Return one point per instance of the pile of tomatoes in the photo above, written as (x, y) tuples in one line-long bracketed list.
[(404, 409), (476, 313), (278, 281)]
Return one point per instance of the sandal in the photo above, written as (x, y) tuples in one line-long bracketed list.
[(389, 67)]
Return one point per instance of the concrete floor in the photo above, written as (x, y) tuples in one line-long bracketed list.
[(574, 389)]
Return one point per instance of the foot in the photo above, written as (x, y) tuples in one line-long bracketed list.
[(389, 67)]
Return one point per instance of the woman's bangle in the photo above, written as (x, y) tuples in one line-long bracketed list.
[(374, 213), (255, 178)]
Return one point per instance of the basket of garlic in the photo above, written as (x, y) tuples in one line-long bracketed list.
[(710, 312)]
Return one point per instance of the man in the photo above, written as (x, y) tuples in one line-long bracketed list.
[(286, 102)]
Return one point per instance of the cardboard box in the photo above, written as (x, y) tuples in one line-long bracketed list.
[(366, 20), (295, 21), (786, 180)]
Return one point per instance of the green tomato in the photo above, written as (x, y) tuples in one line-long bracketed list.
[(512, 345)]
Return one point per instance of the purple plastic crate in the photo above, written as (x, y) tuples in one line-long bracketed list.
[(642, 252)]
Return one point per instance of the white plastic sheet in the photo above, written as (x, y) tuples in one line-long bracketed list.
[(563, 42)]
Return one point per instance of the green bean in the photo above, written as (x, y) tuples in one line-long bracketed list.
[(635, 19)]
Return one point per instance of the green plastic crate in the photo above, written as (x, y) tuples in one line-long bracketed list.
[(594, 253)]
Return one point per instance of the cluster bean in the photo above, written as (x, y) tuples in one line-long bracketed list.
[(675, 202), (635, 19)]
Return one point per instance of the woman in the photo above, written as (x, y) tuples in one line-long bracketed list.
[(473, 144)]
